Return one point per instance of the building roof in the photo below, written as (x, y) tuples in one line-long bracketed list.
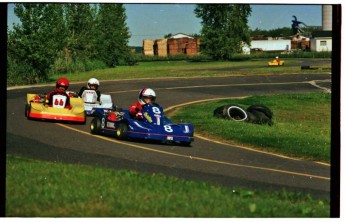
[(316, 34), (180, 35), (299, 37)]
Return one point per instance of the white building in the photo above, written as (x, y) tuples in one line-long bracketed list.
[(321, 44), (269, 45), (322, 40)]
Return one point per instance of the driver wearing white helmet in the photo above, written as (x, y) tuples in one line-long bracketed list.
[(146, 96), (92, 84), (277, 59)]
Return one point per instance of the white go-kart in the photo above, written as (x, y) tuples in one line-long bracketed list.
[(90, 101)]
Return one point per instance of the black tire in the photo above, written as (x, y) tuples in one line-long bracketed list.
[(85, 118), (233, 112), (185, 143), (27, 111), (219, 112), (261, 118), (251, 117), (237, 113), (121, 131), (95, 126), (261, 108)]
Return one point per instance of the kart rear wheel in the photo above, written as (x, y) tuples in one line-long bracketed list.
[(186, 143), (122, 130), (84, 122), (95, 125)]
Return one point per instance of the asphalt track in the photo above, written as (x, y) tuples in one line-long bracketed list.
[(206, 160)]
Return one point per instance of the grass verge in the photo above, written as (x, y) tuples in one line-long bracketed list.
[(191, 69), (302, 124), (46, 189)]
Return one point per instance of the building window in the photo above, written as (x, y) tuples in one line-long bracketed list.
[(323, 43)]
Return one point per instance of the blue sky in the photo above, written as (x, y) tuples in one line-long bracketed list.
[(153, 21)]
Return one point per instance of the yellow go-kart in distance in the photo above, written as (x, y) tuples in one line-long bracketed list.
[(276, 62)]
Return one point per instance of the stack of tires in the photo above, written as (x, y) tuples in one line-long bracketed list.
[(258, 114)]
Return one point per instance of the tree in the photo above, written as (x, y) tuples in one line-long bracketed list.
[(113, 35), (59, 38), (168, 35), (33, 43), (224, 28), (80, 22)]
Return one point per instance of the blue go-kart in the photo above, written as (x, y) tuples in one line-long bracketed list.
[(154, 125)]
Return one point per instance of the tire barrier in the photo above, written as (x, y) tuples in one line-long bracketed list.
[(257, 114), (233, 112)]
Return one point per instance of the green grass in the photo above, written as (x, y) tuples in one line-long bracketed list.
[(189, 69), (302, 124), (301, 128), (49, 189)]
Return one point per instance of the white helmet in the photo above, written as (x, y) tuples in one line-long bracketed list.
[(277, 57), (146, 92), (93, 81)]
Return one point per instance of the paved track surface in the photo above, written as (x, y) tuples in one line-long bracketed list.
[(205, 160)]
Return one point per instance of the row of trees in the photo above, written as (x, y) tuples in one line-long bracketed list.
[(283, 32), (60, 37)]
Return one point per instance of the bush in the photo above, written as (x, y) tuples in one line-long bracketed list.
[(67, 65), (289, 54), (20, 74), (94, 64)]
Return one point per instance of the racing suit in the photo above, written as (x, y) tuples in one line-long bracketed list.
[(58, 91), (135, 110), (85, 88)]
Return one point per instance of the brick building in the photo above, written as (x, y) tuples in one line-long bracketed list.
[(176, 44)]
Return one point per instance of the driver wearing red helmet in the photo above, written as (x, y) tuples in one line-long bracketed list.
[(62, 85), (146, 96)]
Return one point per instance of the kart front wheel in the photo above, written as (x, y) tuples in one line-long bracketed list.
[(121, 132), (95, 125), (27, 111)]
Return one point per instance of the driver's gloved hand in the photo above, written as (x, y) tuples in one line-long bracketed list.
[(139, 115), (116, 108), (42, 98)]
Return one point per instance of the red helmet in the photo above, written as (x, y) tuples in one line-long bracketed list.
[(62, 82)]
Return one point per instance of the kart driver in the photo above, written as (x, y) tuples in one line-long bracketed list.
[(277, 59), (146, 96), (62, 85), (92, 84)]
